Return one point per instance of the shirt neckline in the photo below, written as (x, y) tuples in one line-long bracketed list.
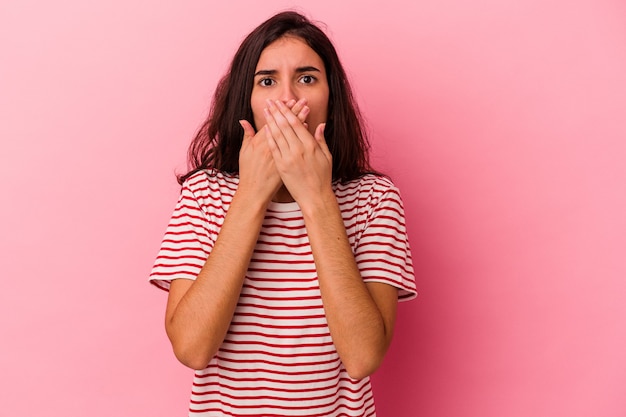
[(283, 207)]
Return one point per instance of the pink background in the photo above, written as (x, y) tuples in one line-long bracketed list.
[(503, 123)]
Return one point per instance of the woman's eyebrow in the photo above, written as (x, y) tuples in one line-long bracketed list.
[(265, 72), (307, 69), (298, 70)]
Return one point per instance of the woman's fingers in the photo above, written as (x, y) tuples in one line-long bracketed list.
[(283, 121), (278, 127), (248, 130), (299, 108), (321, 140), (289, 139)]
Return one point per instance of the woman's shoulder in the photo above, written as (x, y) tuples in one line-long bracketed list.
[(369, 190), (211, 183), (368, 183)]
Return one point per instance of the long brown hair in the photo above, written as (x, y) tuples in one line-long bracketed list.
[(217, 143)]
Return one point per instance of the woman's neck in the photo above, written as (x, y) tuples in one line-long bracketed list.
[(283, 195)]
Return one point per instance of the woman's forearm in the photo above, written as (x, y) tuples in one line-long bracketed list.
[(361, 332), (198, 316)]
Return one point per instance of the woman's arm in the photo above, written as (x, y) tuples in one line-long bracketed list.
[(199, 311), (360, 316)]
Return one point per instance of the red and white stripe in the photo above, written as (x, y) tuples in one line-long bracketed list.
[(278, 358)]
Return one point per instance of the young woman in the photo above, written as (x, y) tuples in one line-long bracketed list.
[(286, 254)]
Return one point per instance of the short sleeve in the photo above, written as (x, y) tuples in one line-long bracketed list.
[(383, 252), (186, 244)]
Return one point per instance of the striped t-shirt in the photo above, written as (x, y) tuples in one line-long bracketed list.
[(278, 358)]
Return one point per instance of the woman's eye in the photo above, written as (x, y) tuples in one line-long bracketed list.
[(307, 79), (266, 82)]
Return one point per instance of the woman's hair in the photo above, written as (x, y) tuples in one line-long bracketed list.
[(218, 141)]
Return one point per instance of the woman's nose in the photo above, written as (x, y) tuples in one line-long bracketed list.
[(287, 93)]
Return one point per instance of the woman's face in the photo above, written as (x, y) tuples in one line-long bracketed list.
[(289, 69)]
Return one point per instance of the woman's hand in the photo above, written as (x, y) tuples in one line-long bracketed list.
[(360, 316), (303, 161), (257, 169), (257, 172)]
